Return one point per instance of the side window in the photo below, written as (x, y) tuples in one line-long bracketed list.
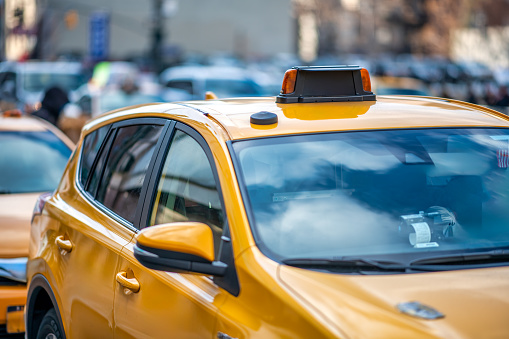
[(187, 188), (126, 168), (8, 86), (185, 85), (95, 176), (91, 146)]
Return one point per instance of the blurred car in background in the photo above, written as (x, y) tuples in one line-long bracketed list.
[(22, 84), (388, 85), (192, 82), (95, 103), (115, 85), (33, 155)]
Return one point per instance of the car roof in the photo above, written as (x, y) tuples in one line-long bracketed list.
[(24, 124), (31, 124), (61, 67), (205, 72), (387, 112)]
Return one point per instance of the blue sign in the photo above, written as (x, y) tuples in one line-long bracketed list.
[(99, 35)]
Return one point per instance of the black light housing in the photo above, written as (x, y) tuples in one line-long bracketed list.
[(326, 84)]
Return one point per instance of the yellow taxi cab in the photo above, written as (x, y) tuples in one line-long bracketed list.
[(326, 212), (33, 155)]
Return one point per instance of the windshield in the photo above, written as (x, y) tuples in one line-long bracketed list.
[(395, 193), (38, 82), (31, 161)]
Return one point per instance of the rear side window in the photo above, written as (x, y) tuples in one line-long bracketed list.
[(126, 167), (31, 161), (185, 85), (91, 146), (187, 189)]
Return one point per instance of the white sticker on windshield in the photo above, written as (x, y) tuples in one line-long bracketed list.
[(422, 234), (426, 245)]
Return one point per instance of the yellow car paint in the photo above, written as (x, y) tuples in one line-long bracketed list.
[(275, 300), (11, 296), (171, 237), (15, 215)]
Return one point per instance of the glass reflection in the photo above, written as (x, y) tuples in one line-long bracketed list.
[(378, 192)]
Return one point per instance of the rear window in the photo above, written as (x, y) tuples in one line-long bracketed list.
[(91, 146), (31, 161)]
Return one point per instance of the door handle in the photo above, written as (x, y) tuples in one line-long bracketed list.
[(130, 284), (65, 245)]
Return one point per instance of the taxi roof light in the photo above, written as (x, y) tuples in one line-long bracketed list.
[(209, 95), (13, 113), (306, 84), (366, 80), (289, 81)]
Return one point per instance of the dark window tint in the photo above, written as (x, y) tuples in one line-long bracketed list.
[(185, 85), (91, 146), (31, 161), (187, 188), (126, 168), (96, 174)]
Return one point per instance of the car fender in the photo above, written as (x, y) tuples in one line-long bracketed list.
[(39, 284)]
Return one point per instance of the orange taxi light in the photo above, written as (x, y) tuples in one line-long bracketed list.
[(209, 95), (289, 81), (366, 81), (12, 113)]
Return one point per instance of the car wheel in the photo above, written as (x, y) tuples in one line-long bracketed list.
[(50, 329)]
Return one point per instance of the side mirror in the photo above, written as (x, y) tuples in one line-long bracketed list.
[(178, 247)]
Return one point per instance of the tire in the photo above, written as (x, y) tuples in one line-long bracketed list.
[(50, 328)]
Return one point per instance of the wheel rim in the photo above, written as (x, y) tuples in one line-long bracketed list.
[(51, 336)]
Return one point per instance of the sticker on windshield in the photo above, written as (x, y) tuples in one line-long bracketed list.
[(421, 235), (503, 158)]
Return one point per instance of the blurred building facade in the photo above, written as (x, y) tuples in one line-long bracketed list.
[(457, 29), (445, 28), (261, 27)]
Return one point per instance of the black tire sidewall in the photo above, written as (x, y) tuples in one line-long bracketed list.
[(50, 325)]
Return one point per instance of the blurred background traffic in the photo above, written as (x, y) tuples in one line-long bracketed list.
[(107, 54)]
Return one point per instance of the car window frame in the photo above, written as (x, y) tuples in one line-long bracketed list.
[(229, 281), (85, 185), (159, 164), (106, 147)]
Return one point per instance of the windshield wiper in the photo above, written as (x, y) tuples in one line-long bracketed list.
[(354, 264), (4, 191), (476, 259)]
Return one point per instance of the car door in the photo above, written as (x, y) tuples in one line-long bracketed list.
[(100, 224), (184, 187)]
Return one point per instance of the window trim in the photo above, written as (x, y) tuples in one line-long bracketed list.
[(111, 133), (230, 281), (84, 185), (156, 173)]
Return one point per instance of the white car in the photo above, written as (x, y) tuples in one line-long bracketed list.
[(192, 82), (24, 83)]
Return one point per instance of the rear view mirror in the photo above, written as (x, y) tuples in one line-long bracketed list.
[(178, 247)]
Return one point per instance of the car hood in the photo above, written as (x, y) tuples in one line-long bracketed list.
[(475, 303), (15, 216)]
